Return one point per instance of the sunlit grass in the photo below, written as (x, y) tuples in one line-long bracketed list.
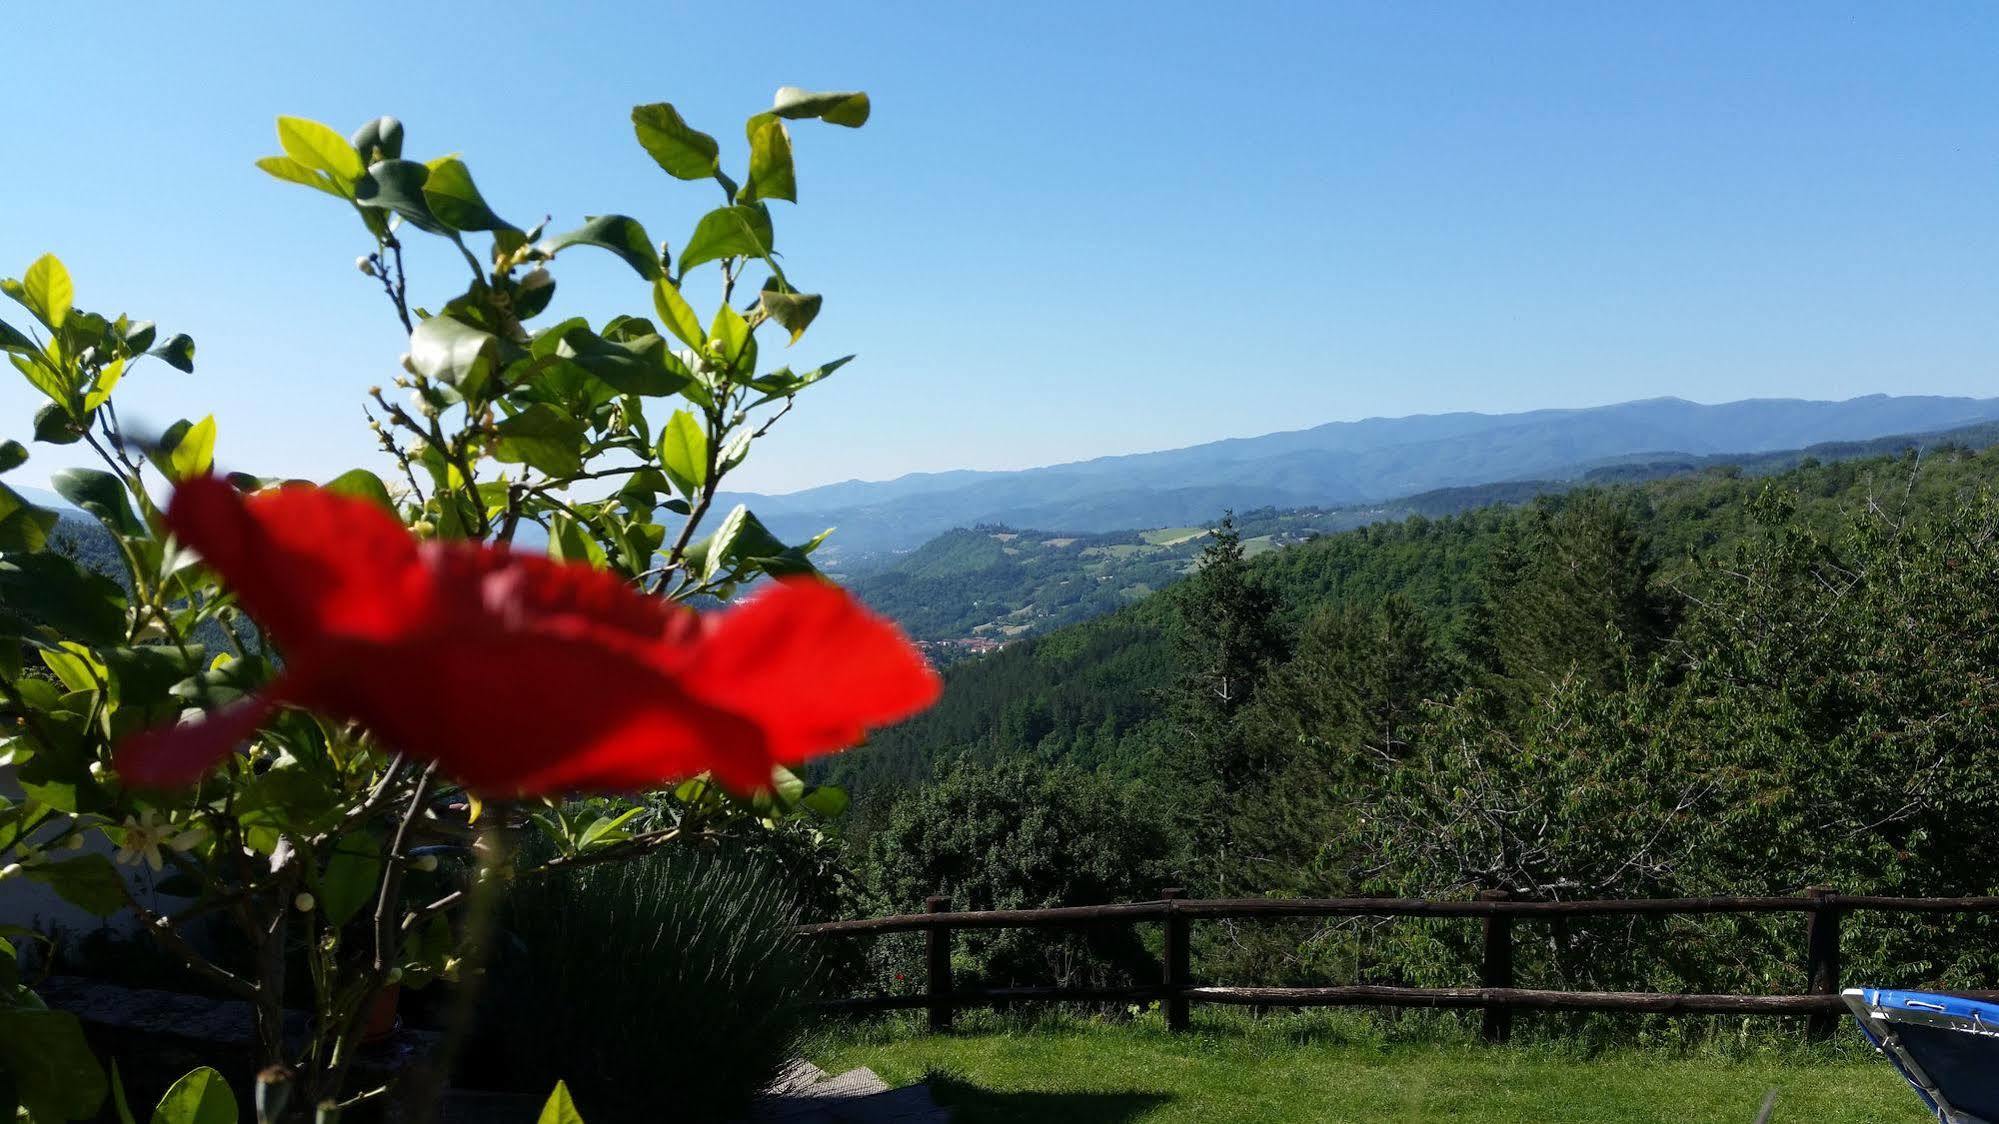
[(1347, 1067)]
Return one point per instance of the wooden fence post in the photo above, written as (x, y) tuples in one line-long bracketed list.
[(937, 957), (1496, 970), (1174, 957), (1822, 957)]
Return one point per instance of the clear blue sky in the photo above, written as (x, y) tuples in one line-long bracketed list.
[(1072, 229)]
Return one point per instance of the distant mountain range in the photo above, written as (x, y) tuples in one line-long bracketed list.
[(971, 588), (1337, 464)]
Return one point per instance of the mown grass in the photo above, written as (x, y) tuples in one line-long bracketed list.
[(1350, 1067)]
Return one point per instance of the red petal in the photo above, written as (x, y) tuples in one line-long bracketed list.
[(171, 756), (304, 562), (523, 713), (811, 666), (525, 591)]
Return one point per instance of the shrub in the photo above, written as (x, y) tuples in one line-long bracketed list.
[(1021, 837), (676, 980)]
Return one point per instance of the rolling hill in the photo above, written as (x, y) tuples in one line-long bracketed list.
[(972, 588), (1091, 693), (1335, 465)]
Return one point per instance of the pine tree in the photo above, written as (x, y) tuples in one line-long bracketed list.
[(1329, 726), (1227, 641), (1576, 597)]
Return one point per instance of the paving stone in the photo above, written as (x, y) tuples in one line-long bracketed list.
[(796, 1076), (857, 1096)]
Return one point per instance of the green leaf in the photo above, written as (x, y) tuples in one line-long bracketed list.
[(101, 494), (291, 171), (736, 451), (88, 882), (138, 337), (710, 553), (637, 366), (54, 426), (23, 526), (118, 1096), (380, 139), (177, 352), (849, 108), (12, 340), (542, 437), (145, 675), (827, 800), (732, 334), (677, 314), (351, 876), (201, 1096), (453, 352), (567, 542), (363, 485), (683, 452), (75, 668), (786, 785), (13, 455), (621, 235), (771, 173), (319, 148), (738, 231), (47, 290), (456, 201), (685, 152), (54, 1074), (105, 382), (559, 1109), (194, 454), (397, 185), (793, 311), (49, 591), (44, 376), (782, 383)]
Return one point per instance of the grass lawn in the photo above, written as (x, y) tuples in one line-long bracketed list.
[(1309, 1068)]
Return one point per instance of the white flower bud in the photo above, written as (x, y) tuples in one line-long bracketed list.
[(407, 365), (425, 863), (304, 902), (97, 769), (365, 265), (538, 279)]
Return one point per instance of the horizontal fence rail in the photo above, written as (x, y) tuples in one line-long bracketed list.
[(1496, 996)]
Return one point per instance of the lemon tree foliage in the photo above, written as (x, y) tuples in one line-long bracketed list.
[(611, 435)]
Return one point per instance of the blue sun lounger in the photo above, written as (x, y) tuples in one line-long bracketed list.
[(1947, 1047)]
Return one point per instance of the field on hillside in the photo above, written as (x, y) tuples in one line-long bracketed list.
[(1336, 1067), (1000, 583)]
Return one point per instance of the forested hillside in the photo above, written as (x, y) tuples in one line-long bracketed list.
[(1091, 694), (996, 582), (1711, 683)]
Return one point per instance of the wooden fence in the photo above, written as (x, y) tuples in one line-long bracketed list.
[(1496, 993)]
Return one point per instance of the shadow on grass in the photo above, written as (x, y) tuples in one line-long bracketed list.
[(975, 1104)]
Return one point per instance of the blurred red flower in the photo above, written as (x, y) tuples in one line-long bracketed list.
[(518, 674)]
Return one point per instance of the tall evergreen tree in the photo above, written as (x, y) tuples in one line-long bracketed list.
[(1227, 640), (1331, 723), (1228, 633), (1576, 596)]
